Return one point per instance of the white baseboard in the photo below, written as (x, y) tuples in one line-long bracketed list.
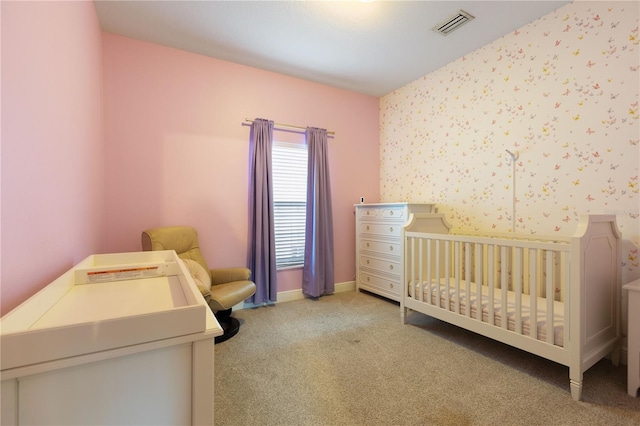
[(288, 296)]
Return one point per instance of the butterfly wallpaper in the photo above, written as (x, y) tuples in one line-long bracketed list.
[(529, 132)]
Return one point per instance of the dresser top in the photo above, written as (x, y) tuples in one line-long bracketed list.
[(392, 204)]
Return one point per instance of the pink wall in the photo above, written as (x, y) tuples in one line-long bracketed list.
[(177, 153), (51, 166)]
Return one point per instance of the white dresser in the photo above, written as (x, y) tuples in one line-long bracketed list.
[(379, 245)]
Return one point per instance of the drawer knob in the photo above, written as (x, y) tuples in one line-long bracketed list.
[(367, 212), (391, 228), (367, 227), (390, 248), (367, 244), (391, 285), (367, 261), (391, 267), (368, 279), (391, 212)]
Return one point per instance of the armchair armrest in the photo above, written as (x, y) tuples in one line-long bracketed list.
[(226, 275)]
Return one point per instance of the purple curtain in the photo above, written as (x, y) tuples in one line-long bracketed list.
[(262, 252), (317, 273)]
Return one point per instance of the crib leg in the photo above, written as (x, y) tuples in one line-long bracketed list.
[(576, 386), (615, 356)]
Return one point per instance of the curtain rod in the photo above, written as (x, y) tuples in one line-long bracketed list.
[(288, 125)]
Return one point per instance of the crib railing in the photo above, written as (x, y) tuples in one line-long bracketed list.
[(503, 270), (539, 266)]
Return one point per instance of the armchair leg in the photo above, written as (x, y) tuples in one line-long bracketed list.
[(229, 325)]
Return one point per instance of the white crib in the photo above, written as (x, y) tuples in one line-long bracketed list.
[(494, 286)]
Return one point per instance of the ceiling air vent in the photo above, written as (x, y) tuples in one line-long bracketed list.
[(453, 22)]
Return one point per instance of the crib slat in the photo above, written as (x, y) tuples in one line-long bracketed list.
[(542, 253), (429, 272), (504, 287), (447, 273), (467, 276), (566, 278), (456, 273), (419, 287), (410, 266), (533, 292), (491, 270), (550, 293), (517, 274), (437, 277), (479, 274), (415, 261)]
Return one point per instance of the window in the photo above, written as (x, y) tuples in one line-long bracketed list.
[(289, 161)]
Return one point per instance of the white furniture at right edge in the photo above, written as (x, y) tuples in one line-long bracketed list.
[(633, 338), (379, 245)]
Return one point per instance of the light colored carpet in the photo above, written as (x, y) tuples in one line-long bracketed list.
[(346, 359)]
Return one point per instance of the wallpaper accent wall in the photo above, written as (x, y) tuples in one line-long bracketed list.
[(561, 94)]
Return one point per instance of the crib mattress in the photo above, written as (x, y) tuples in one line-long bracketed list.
[(438, 297)]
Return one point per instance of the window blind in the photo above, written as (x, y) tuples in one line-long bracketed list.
[(289, 161)]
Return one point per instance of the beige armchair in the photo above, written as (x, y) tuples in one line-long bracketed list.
[(221, 288)]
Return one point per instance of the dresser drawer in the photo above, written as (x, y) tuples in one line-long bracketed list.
[(393, 213), (377, 284), (397, 213), (382, 265), (381, 229), (368, 212), (391, 248)]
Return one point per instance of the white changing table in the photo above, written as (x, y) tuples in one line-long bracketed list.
[(633, 337), (120, 338)]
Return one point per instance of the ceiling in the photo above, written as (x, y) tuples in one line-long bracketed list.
[(369, 47)]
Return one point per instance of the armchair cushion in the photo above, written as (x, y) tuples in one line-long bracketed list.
[(200, 276), (225, 275), (225, 296)]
